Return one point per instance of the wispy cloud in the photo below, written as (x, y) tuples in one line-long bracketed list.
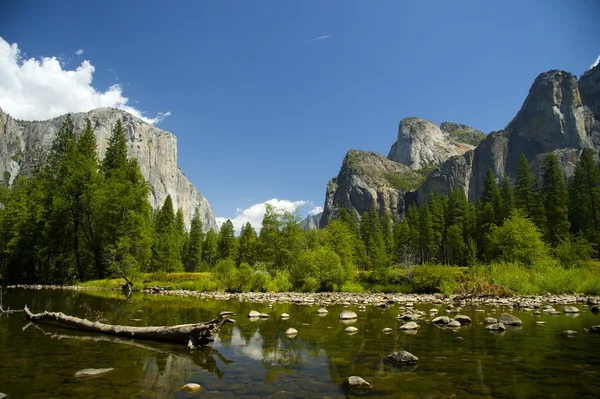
[(318, 38), (79, 52), (595, 62)]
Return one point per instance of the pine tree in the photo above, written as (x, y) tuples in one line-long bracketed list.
[(115, 157), (210, 251), (247, 245), (508, 197), (193, 252), (166, 252), (438, 206), (227, 244), (527, 198), (555, 199), (387, 231), (268, 240), (426, 234), (584, 198), (491, 195)]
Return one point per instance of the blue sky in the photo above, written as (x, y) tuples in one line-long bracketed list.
[(262, 110)]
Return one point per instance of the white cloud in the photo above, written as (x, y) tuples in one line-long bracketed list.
[(255, 213), (315, 210), (79, 52), (595, 62), (32, 89)]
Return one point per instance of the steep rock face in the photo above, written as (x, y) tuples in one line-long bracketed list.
[(311, 221), (24, 147), (368, 179), (421, 143), (552, 118)]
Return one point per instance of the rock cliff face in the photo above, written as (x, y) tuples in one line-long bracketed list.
[(421, 143), (311, 221), (369, 179), (556, 116), (24, 147)]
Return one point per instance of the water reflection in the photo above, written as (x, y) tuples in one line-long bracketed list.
[(256, 358)]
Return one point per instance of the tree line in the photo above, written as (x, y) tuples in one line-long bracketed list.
[(83, 218)]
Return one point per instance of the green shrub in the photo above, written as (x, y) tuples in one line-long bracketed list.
[(352, 286), (574, 252), (280, 282)]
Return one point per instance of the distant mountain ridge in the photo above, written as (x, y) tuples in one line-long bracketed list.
[(560, 114)]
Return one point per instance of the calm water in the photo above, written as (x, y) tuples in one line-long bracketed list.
[(257, 360)]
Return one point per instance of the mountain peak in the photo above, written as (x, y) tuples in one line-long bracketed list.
[(422, 143)]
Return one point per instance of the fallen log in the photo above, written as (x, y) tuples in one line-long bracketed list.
[(187, 334)]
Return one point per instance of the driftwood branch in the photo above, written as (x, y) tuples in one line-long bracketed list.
[(6, 311), (187, 334)]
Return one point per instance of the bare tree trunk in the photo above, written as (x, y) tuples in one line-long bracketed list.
[(186, 334)]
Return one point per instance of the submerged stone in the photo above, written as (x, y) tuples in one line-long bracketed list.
[(357, 382), (402, 357), (92, 372), (570, 333), (509, 320), (291, 331), (441, 320), (411, 325), (191, 387), (496, 327), (571, 309), (348, 315)]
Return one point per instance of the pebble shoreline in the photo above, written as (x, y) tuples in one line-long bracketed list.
[(364, 299)]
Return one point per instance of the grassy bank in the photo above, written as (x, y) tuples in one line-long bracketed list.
[(499, 278)]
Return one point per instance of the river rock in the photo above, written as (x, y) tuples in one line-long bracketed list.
[(595, 329), (509, 320), (387, 330), (285, 316), (454, 323), (433, 310), (496, 327), (461, 318), (350, 329), (541, 323), (571, 309), (357, 382), (191, 387), (402, 357), (3, 395), (441, 320), (411, 325), (291, 331), (570, 333), (490, 320), (348, 315), (263, 315), (254, 313), (592, 300), (92, 372), (322, 311)]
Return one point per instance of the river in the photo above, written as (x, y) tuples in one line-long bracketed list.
[(255, 359)]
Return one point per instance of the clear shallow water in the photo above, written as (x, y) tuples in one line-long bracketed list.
[(257, 360)]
